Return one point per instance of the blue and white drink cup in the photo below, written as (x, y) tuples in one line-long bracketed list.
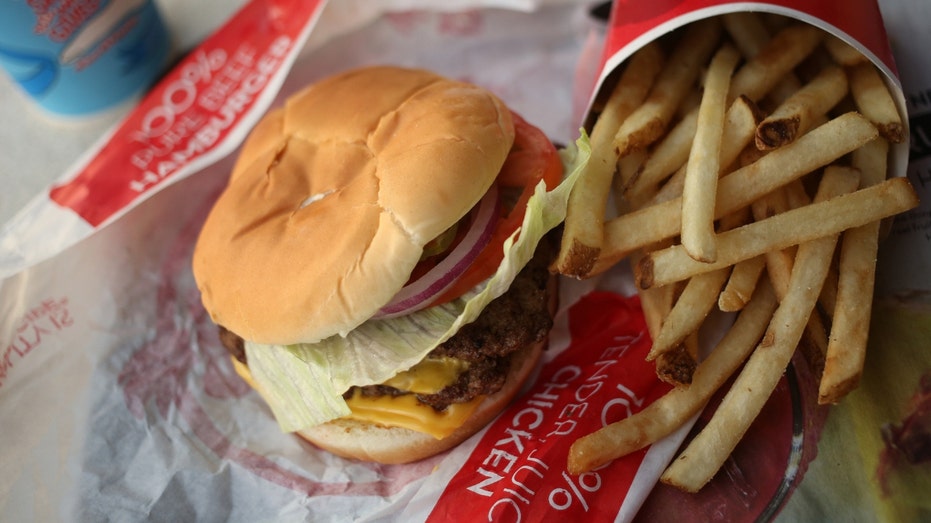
[(79, 57)]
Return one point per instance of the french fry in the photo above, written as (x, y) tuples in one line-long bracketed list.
[(779, 268), (873, 99), (775, 22), (750, 34), (779, 265), (740, 125), (705, 454), (670, 190), (783, 230), (741, 283), (786, 49), (677, 365), (676, 407), (846, 350), (666, 157), (828, 298), (627, 169), (749, 155), (686, 316), (796, 196), (842, 52), (635, 230), (747, 31), (650, 120), (871, 160), (697, 299), (796, 115), (583, 234), (778, 261), (815, 149), (704, 163), (692, 346), (741, 121), (656, 303)]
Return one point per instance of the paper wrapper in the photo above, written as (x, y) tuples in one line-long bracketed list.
[(119, 403)]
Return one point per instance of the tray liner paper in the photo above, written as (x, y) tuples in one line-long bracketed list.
[(117, 401)]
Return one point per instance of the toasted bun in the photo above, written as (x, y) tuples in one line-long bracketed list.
[(369, 442), (335, 195)]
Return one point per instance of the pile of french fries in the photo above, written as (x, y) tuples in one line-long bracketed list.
[(746, 159)]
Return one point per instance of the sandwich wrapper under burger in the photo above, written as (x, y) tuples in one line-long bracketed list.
[(118, 401)]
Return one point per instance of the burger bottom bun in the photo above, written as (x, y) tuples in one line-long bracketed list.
[(392, 445)]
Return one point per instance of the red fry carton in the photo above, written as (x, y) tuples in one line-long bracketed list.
[(762, 472), (859, 24)]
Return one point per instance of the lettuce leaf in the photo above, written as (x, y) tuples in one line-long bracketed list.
[(303, 383)]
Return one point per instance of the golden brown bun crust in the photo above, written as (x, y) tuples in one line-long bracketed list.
[(369, 442), (334, 196)]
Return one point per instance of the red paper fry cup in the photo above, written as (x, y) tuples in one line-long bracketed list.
[(764, 469), (633, 24)]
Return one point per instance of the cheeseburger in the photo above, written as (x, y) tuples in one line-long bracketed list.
[(377, 264)]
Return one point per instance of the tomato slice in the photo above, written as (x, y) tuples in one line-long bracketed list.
[(532, 158)]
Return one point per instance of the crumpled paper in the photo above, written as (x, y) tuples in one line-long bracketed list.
[(116, 401)]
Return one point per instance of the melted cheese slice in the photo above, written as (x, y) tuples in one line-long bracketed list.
[(405, 411), (427, 377)]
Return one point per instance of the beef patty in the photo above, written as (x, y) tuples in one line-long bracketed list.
[(517, 319)]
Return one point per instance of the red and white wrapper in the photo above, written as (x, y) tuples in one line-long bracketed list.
[(201, 111), (118, 402), (859, 23)]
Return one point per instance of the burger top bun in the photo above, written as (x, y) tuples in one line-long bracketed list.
[(335, 195)]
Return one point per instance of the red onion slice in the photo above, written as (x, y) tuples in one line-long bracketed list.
[(417, 294)]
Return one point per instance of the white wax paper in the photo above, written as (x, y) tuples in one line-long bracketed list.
[(117, 403)]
